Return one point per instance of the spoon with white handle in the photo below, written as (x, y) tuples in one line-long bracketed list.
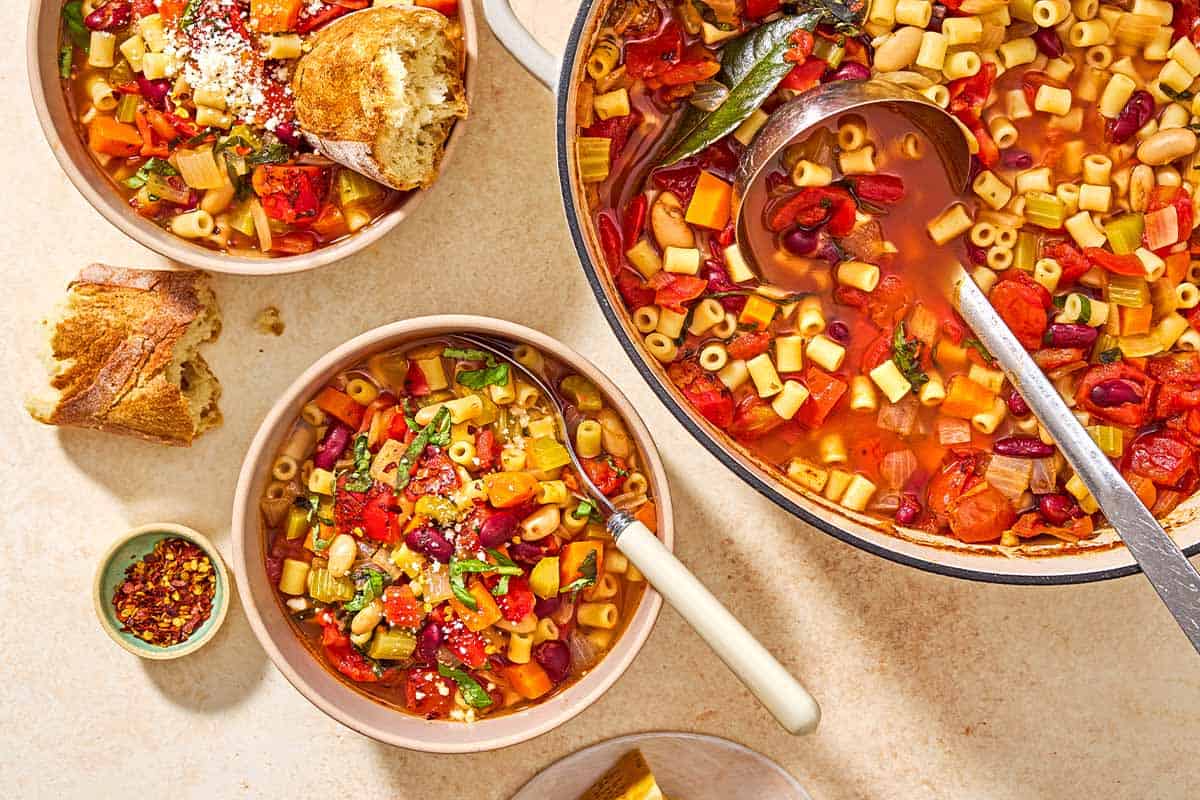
[(764, 676), (1164, 564)]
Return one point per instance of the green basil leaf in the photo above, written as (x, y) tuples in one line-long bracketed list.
[(495, 375), (468, 354), (76, 29), (369, 585), (189, 13), (472, 692), (404, 466), (155, 166), (752, 67), (588, 572), (65, 57), (907, 356), (360, 480)]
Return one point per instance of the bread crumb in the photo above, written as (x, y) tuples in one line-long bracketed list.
[(269, 321)]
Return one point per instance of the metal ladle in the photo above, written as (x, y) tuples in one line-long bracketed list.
[(1161, 560)]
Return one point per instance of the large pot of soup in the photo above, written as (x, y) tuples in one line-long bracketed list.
[(835, 379)]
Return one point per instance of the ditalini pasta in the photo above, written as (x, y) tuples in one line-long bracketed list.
[(433, 544), (839, 361)]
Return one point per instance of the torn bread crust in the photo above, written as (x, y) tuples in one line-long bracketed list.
[(124, 355), (380, 90)]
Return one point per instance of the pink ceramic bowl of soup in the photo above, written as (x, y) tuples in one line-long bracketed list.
[(59, 104), (300, 659)]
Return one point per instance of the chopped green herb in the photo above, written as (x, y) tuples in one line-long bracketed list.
[(584, 510), (76, 29), (1110, 355), (189, 13), (472, 692), (404, 466), (588, 572), (369, 583), (441, 434), (617, 468), (467, 354), (65, 57), (360, 480), (464, 566), (501, 587), (155, 166), (270, 153), (493, 375), (978, 347), (906, 354)]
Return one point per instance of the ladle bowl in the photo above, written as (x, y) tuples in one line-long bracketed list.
[(828, 102)]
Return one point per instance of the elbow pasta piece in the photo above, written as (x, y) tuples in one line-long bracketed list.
[(645, 319), (598, 615), (832, 449), (952, 222), (811, 318), (636, 483), (713, 357), (765, 377), (705, 314), (806, 173), (857, 162), (789, 353), (857, 493), (862, 394), (891, 381), (670, 323), (587, 438), (825, 353), (734, 374), (789, 399), (858, 274)]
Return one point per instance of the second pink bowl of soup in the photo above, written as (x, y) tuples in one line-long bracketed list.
[(374, 713)]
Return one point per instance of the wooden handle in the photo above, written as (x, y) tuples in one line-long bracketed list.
[(762, 673)]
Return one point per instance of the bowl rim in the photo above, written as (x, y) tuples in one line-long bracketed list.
[(106, 201), (823, 522), (169, 530), (245, 525)]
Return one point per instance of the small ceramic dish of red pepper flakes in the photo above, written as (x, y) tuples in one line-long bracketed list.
[(161, 591)]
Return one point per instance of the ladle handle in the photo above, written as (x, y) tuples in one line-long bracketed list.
[(762, 673), (1165, 565)]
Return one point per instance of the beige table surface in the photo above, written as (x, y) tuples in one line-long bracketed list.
[(931, 687)]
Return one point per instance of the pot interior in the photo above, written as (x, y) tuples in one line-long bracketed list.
[(1094, 559)]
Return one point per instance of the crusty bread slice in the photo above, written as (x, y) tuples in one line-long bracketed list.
[(379, 91), (124, 355)]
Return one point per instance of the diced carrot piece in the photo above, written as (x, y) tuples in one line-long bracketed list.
[(1136, 320), (340, 405), (571, 560), (508, 489), (528, 680), (710, 202), (171, 10), (486, 613), (647, 514), (111, 137), (965, 398), (1177, 267), (758, 312), (1144, 488), (274, 16)]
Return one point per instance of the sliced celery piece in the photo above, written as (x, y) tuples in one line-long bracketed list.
[(593, 158), (396, 644), (1025, 251), (1108, 438), (354, 189), (1127, 290), (1045, 210), (324, 588), (1125, 232)]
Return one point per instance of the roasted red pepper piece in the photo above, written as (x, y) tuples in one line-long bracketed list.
[(606, 473), (651, 57), (1127, 264), (825, 391), (401, 607), (1162, 456), (1073, 263), (753, 418), (748, 345), (434, 474), (1176, 196), (634, 220), (610, 241), (757, 9), (414, 380), (804, 76), (517, 603), (1023, 305), (673, 291), (428, 694), (291, 194), (704, 391), (812, 207), (342, 655), (633, 289)]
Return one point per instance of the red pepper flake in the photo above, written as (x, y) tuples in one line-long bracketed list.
[(167, 595)]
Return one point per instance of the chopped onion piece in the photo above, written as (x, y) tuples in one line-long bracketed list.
[(583, 652), (896, 468), (1009, 476), (262, 225), (898, 417), (1044, 479), (952, 430)]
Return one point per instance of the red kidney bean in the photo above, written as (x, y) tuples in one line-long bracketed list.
[(525, 553), (1137, 112), (286, 132), (428, 642), (555, 658), (936, 18), (1017, 405), (1071, 334), (849, 71), (499, 528), (800, 242), (1057, 508), (976, 254), (154, 91), (1022, 447), (909, 510), (1015, 158), (113, 15), (332, 446), (428, 542), (546, 606), (1115, 392), (828, 251), (839, 332), (1048, 43)]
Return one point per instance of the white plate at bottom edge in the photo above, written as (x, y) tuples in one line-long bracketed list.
[(688, 766)]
